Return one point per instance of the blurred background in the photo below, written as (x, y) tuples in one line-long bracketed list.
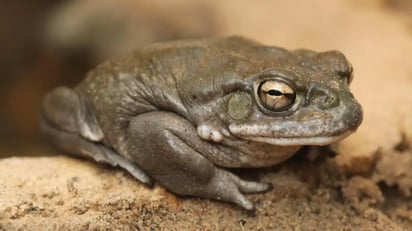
[(46, 43)]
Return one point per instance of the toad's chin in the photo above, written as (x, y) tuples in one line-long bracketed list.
[(295, 141)]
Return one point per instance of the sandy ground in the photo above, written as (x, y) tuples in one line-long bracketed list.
[(365, 185), (72, 194)]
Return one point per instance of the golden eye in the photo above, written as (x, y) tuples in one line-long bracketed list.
[(276, 95)]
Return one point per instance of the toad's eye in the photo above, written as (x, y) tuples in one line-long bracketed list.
[(276, 95)]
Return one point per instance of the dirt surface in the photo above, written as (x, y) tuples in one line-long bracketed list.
[(60, 193), (365, 185)]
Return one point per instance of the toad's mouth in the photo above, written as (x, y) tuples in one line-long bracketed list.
[(295, 141), (290, 133)]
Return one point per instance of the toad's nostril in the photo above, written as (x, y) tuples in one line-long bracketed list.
[(330, 101), (322, 97)]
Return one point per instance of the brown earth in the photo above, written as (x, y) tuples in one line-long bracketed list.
[(60, 193), (365, 185)]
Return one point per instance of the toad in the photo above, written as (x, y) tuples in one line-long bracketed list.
[(184, 113)]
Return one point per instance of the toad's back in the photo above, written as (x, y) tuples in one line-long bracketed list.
[(159, 77)]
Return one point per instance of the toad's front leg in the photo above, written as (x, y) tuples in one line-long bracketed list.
[(167, 147)]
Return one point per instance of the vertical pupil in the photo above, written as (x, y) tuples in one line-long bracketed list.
[(274, 92)]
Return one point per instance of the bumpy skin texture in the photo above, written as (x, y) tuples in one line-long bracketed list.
[(183, 112)]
